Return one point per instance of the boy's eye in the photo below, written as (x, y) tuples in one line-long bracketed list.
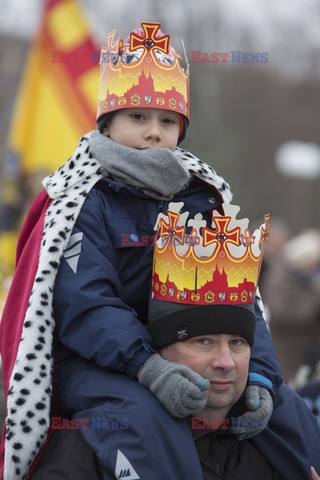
[(168, 121), (136, 116)]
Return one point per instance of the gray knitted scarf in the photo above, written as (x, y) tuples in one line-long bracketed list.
[(159, 173)]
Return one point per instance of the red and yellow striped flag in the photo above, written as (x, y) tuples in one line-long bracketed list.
[(55, 106), (58, 96)]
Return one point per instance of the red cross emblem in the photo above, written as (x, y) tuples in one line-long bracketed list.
[(247, 239), (221, 235), (171, 229), (265, 230), (149, 41)]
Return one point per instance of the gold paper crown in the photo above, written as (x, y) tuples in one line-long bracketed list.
[(144, 72), (218, 265)]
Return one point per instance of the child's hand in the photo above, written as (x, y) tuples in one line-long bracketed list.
[(260, 406), (181, 390)]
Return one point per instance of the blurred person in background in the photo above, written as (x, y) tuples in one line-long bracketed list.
[(291, 291), (281, 233), (307, 378)]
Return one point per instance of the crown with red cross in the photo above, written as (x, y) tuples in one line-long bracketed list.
[(144, 71), (197, 264)]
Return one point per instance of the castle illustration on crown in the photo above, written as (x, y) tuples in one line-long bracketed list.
[(144, 72), (171, 99), (218, 265)]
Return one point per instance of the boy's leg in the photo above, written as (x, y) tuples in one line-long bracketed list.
[(132, 434)]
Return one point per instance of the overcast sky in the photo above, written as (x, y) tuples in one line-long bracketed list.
[(288, 29), (21, 17)]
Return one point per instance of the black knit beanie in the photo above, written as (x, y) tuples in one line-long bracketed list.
[(174, 322)]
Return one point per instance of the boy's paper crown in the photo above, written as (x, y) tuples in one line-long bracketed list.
[(207, 266), (144, 72)]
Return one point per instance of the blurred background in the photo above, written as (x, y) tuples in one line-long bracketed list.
[(255, 118)]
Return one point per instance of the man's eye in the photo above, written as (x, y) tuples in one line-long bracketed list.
[(238, 342), (203, 341)]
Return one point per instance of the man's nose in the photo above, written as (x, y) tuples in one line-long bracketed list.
[(223, 359)]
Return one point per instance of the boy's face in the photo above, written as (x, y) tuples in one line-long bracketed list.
[(143, 128)]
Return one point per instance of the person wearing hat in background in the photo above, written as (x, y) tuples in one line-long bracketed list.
[(80, 293)]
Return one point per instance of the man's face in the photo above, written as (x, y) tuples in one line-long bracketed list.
[(222, 359), (143, 128)]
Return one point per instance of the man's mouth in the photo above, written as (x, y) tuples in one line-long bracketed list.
[(221, 385)]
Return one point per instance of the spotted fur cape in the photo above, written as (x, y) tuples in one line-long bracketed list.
[(27, 324)]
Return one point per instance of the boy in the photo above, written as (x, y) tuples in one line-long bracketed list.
[(94, 268)]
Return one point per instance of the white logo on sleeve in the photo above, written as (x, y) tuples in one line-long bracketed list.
[(73, 250), (124, 469)]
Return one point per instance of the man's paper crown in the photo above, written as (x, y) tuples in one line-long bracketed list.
[(144, 72), (207, 266)]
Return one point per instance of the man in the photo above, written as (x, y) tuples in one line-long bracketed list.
[(214, 340), (222, 358), (208, 325)]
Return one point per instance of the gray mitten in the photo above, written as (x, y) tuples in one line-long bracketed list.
[(260, 405), (181, 390)]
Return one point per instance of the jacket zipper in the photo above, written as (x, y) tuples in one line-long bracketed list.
[(216, 465)]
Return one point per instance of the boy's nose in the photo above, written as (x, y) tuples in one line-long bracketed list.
[(153, 131)]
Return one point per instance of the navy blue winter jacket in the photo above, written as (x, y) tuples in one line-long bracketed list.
[(103, 284)]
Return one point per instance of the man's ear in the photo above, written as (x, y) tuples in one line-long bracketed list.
[(105, 131)]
